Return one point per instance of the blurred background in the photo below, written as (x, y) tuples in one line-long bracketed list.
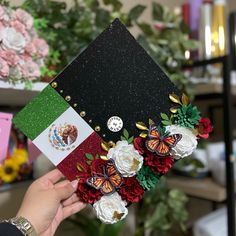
[(195, 44)]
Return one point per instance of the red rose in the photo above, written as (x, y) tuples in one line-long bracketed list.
[(204, 127), (139, 145), (97, 166), (131, 190), (88, 194), (160, 165)]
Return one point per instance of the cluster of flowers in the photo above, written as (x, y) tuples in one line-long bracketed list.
[(139, 162), (15, 167), (22, 52)]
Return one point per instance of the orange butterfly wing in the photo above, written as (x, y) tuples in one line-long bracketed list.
[(152, 144), (96, 181), (113, 175), (172, 139), (107, 187), (163, 149), (153, 133)]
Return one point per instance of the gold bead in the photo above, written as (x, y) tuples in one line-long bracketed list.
[(82, 113), (97, 128), (75, 105), (68, 98), (111, 144), (54, 84)]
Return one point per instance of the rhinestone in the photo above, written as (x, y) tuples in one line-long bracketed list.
[(54, 84), (97, 128), (75, 105), (68, 98), (82, 113)]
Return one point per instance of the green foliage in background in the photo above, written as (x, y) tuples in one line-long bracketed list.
[(161, 211), (167, 43), (69, 31), (93, 227)]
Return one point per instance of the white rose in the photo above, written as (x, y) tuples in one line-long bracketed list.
[(127, 159), (111, 208), (187, 143), (11, 39)]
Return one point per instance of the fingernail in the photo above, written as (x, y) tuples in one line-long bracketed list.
[(74, 183)]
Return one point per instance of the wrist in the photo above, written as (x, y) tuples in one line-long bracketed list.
[(23, 225)]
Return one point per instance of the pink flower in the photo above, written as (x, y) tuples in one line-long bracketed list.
[(24, 17), (41, 46), (19, 27), (30, 49), (30, 70), (4, 17), (4, 69), (10, 57)]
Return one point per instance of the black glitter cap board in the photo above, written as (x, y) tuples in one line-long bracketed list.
[(115, 78)]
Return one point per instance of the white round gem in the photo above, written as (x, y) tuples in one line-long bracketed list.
[(115, 124)]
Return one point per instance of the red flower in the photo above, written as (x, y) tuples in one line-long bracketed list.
[(139, 145), (131, 190), (88, 194), (204, 127), (97, 166), (160, 165)]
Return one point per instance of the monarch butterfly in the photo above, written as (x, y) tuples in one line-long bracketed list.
[(161, 144), (108, 181)]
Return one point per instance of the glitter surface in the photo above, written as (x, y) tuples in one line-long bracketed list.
[(40, 112), (115, 76)]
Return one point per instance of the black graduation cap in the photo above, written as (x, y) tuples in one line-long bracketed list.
[(114, 83)]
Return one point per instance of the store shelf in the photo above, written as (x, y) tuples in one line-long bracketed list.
[(205, 188), (17, 95)]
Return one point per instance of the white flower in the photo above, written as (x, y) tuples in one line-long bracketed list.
[(187, 143), (110, 209), (11, 39), (127, 159)]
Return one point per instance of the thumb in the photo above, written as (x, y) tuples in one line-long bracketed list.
[(64, 192)]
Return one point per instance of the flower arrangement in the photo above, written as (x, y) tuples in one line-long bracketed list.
[(113, 180), (22, 52), (15, 167)]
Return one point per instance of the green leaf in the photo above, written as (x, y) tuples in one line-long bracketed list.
[(89, 162), (157, 11), (115, 3), (122, 138), (126, 133), (136, 12), (89, 156), (102, 18), (146, 28), (166, 122), (130, 140), (164, 116)]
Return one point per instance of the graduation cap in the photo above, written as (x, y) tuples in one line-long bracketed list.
[(102, 95)]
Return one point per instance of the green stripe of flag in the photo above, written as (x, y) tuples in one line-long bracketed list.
[(35, 117)]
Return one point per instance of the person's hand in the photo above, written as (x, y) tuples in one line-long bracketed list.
[(47, 202)]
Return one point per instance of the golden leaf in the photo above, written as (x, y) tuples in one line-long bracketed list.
[(141, 126), (105, 146), (173, 109), (80, 167), (151, 122), (104, 157), (185, 99), (117, 215), (135, 165), (143, 135), (174, 98)]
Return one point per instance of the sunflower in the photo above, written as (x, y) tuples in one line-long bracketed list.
[(19, 156), (9, 171)]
